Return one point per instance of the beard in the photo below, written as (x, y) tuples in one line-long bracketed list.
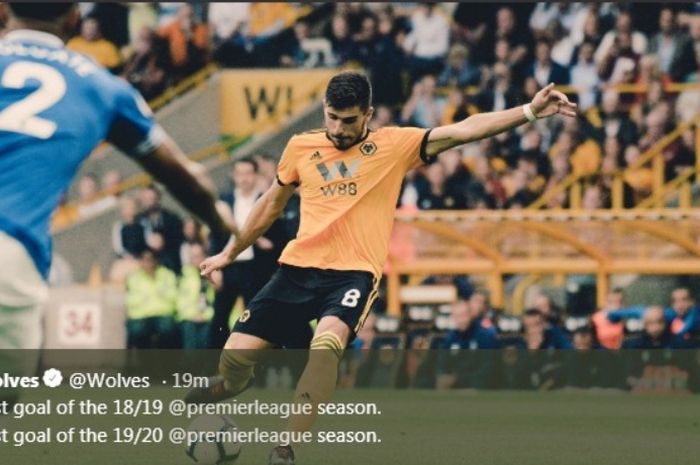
[(346, 142)]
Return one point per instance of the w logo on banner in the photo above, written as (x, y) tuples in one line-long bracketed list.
[(338, 169)]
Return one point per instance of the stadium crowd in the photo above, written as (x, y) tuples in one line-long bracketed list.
[(429, 64), (433, 64)]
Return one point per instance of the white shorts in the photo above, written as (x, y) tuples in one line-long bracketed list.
[(23, 292)]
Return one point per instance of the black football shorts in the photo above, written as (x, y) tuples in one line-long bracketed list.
[(281, 311)]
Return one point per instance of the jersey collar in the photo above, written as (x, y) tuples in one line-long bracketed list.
[(361, 139), (31, 35)]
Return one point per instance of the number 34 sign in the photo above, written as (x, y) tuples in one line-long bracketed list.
[(79, 324)]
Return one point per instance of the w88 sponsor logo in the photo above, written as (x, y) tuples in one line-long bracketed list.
[(343, 188)]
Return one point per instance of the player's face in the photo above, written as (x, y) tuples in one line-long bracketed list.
[(346, 127)]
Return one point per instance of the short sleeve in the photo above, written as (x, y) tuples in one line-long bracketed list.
[(133, 130), (287, 168), (411, 144)]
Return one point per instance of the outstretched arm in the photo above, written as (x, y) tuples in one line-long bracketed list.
[(265, 211), (547, 102), (190, 184)]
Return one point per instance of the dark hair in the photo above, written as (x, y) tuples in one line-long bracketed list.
[(349, 89), (248, 160), (265, 156), (585, 329), (42, 11), (534, 312), (544, 41)]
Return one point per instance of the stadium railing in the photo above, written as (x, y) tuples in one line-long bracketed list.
[(494, 244)]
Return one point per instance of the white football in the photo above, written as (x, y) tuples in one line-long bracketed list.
[(211, 440)]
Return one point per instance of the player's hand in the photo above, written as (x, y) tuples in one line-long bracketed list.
[(212, 264), (548, 102), (217, 279)]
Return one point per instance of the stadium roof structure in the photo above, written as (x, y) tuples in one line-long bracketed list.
[(495, 243)]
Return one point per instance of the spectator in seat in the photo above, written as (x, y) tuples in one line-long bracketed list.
[(151, 297), (563, 45), (499, 94), (228, 23), (657, 334), (195, 301), (620, 64), (638, 178), (656, 126), (614, 122), (110, 182), (91, 203), (437, 196), (188, 42), (387, 62), (424, 108), (685, 66), (146, 68), (610, 333), (538, 334), (623, 25), (303, 51), (595, 197), (457, 367), (91, 43), (458, 70), (469, 330), (506, 27), (267, 170), (341, 42), (687, 313), (548, 308), (666, 44), (383, 116), (128, 236), (193, 237), (683, 157), (428, 42), (544, 69), (584, 76), (456, 174), (162, 228)]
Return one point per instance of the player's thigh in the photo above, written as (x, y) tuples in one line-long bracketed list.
[(277, 314), (20, 327), (348, 302), (243, 341)]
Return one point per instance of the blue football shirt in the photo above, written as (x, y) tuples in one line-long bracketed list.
[(55, 107)]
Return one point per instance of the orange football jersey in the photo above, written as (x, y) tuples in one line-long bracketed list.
[(348, 197)]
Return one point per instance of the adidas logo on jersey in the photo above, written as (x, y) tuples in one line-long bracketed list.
[(315, 156)]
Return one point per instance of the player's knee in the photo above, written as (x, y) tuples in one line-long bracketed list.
[(329, 342), (236, 366)]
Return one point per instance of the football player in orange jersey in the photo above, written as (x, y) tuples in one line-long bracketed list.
[(349, 179)]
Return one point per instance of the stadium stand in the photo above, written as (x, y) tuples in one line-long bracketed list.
[(554, 215)]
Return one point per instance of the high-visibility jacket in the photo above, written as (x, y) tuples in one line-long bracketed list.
[(195, 298), (151, 296)]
